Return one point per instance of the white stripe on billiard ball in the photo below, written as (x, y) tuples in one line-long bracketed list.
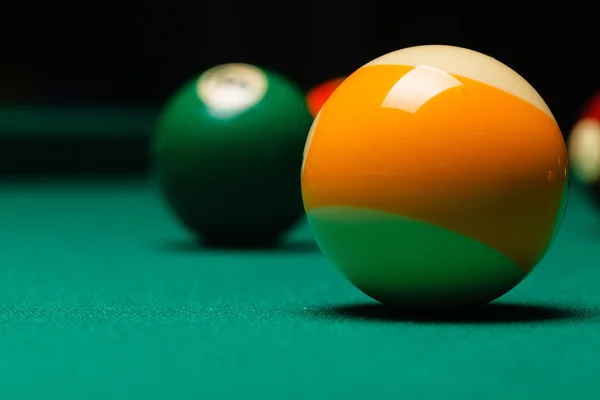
[(469, 64)]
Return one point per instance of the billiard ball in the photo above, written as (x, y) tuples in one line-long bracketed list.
[(435, 176), (318, 95), (227, 151), (592, 108), (583, 144), (584, 151)]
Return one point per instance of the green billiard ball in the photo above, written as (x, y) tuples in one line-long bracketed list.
[(227, 152)]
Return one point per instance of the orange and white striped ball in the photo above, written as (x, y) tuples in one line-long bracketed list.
[(435, 175)]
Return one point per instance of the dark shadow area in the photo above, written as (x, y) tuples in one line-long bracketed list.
[(191, 246), (593, 194), (493, 313), (52, 155)]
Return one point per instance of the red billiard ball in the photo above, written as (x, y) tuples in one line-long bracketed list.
[(592, 108), (317, 96)]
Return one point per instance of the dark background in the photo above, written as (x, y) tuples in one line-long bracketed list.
[(133, 53)]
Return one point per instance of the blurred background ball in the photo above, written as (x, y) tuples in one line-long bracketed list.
[(227, 152), (584, 150), (318, 95)]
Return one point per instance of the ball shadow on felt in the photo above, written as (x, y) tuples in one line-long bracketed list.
[(492, 313)]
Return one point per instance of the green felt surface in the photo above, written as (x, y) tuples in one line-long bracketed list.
[(101, 297)]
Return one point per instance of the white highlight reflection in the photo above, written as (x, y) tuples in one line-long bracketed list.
[(230, 89), (417, 87)]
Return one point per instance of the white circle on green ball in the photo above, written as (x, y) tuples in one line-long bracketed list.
[(232, 87)]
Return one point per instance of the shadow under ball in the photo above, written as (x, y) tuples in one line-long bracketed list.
[(227, 152)]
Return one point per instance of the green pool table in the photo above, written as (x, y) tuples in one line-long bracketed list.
[(104, 296)]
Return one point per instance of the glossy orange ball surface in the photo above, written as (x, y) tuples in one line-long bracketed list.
[(435, 175)]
